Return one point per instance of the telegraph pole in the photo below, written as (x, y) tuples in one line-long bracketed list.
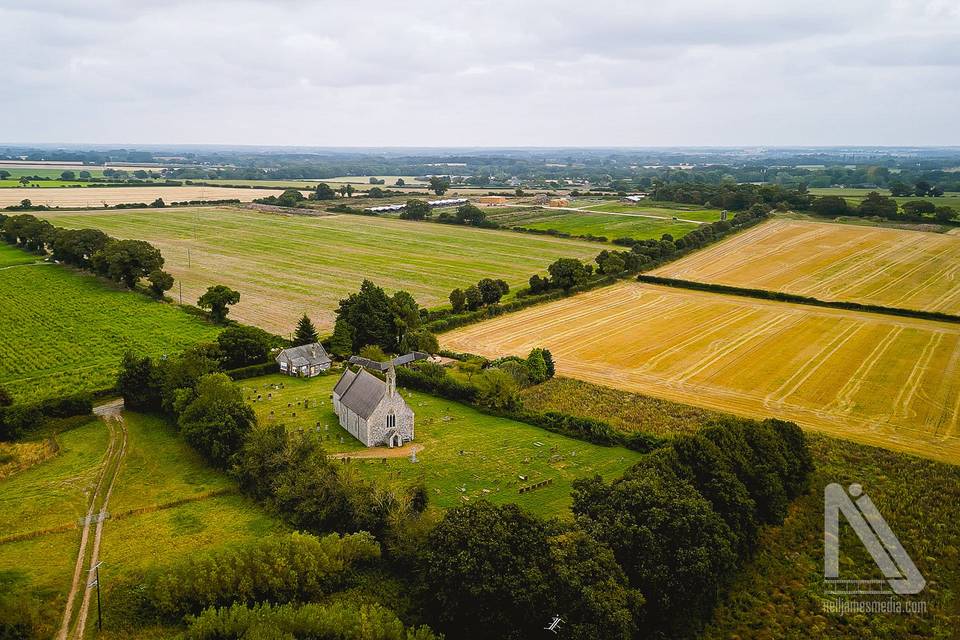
[(96, 581), (181, 291)]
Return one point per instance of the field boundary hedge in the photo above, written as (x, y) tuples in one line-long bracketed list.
[(585, 429), (779, 296)]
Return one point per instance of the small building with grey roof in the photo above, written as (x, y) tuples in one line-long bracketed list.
[(306, 361)]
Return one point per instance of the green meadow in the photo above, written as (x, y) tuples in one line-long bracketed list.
[(466, 455), (66, 331), (286, 265), (597, 224)]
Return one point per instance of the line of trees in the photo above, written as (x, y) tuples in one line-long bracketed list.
[(123, 261), (487, 291), (878, 206)]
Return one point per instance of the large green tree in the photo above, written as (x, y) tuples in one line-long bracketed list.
[(218, 419), (127, 261), (243, 346), (218, 299)]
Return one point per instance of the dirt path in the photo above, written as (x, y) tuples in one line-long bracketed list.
[(116, 448), (379, 452)]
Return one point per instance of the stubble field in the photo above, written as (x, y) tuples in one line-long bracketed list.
[(85, 197), (287, 265), (887, 267), (879, 380)]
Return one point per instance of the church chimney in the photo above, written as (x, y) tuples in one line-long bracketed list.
[(391, 381)]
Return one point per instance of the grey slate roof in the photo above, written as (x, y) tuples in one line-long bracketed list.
[(363, 393), (344, 381), (383, 366), (312, 354)]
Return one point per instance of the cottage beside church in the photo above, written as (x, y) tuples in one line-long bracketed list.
[(306, 360), (371, 409)]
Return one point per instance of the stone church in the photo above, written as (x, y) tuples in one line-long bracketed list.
[(370, 409)]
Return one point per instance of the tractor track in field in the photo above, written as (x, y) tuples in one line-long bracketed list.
[(97, 510)]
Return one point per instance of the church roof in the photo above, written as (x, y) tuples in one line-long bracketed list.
[(344, 381), (363, 393)]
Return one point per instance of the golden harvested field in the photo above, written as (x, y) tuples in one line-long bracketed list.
[(286, 265), (880, 380), (98, 196), (888, 267)]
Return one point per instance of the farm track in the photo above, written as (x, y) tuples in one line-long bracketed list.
[(89, 549)]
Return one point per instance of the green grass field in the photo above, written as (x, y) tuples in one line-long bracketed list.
[(287, 265), (11, 256), (6, 184), (854, 196), (159, 469), (64, 331), (17, 171), (597, 224), (467, 455), (663, 209)]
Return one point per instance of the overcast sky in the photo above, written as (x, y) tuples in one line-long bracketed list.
[(481, 73)]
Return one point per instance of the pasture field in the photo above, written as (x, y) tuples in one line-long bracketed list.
[(854, 196), (598, 224), (881, 380), (667, 210), (96, 197), (887, 267), (65, 332), (161, 508), (11, 256), (41, 184), (287, 265), (466, 455)]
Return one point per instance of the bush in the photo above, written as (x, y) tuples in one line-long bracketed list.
[(280, 569), (335, 621)]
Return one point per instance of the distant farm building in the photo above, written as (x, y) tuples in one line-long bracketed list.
[(386, 208), (371, 409), (558, 202), (449, 202), (637, 197), (541, 199), (493, 201), (305, 361)]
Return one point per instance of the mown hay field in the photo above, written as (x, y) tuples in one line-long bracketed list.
[(86, 196), (873, 265), (65, 332), (598, 224), (876, 379), (466, 455), (287, 265)]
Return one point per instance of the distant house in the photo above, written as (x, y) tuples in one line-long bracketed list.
[(371, 409), (305, 361), (492, 201)]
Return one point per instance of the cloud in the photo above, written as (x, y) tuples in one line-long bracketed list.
[(493, 72)]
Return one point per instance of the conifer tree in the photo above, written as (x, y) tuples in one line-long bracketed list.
[(306, 333)]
